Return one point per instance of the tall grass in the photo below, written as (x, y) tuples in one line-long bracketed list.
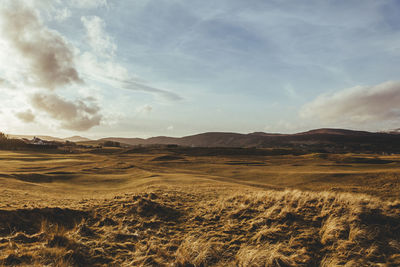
[(177, 228)]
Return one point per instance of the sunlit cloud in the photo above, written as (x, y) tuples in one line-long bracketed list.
[(177, 62), (357, 105), (77, 115), (48, 59), (26, 116)]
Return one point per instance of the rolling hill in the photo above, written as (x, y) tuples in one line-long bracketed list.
[(319, 140), (75, 138)]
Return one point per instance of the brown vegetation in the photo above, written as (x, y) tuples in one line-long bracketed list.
[(175, 228), (116, 207), (10, 143)]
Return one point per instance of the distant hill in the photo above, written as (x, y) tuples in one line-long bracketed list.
[(318, 140), (43, 137), (77, 138), (51, 138), (331, 140), (394, 131), (335, 132), (122, 140)]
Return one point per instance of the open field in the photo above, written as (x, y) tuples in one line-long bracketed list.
[(198, 207)]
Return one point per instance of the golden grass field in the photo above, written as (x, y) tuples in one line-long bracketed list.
[(118, 207)]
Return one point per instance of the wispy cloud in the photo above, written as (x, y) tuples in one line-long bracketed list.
[(115, 75), (62, 14), (101, 42), (88, 3), (145, 109), (131, 84)]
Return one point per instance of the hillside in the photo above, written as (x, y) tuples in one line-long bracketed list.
[(51, 138), (77, 138), (43, 137), (331, 140), (318, 140)]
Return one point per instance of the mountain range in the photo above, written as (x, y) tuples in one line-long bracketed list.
[(52, 138), (328, 139)]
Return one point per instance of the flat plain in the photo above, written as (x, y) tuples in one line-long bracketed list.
[(177, 206)]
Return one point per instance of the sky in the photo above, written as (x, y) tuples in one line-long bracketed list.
[(142, 68)]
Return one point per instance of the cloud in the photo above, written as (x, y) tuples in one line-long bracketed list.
[(113, 74), (98, 39), (88, 3), (146, 109), (78, 115), (100, 66), (48, 57), (290, 91), (360, 104), (6, 84), (26, 116), (131, 84), (62, 14)]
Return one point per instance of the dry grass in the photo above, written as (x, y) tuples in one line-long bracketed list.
[(124, 209), (169, 227)]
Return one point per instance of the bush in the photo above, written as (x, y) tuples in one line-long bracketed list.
[(111, 144), (10, 143)]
